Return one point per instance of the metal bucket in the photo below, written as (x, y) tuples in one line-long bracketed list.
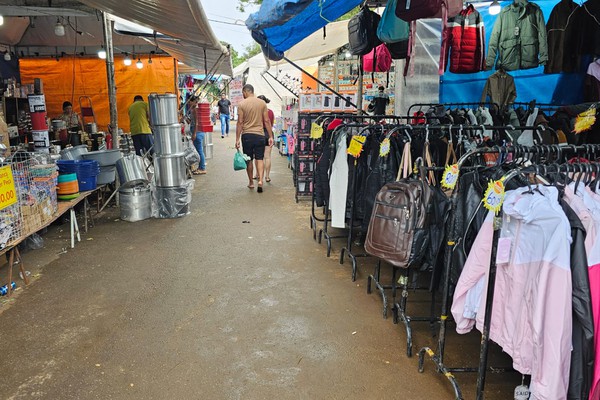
[(73, 153), (131, 171), (172, 202), (163, 109), (167, 139), (170, 171), (136, 203)]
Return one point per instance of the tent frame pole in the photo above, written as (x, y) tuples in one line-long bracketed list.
[(293, 64), (110, 77)]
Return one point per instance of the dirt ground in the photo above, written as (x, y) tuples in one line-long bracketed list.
[(234, 301)]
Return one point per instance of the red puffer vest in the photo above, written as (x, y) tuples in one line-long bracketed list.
[(464, 38)]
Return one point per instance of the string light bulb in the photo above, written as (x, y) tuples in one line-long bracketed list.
[(139, 64), (102, 53), (127, 60), (59, 29), (495, 8)]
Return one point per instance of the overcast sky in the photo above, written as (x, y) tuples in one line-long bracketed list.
[(227, 13)]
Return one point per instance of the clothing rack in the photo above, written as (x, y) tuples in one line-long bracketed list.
[(438, 359), (474, 104), (399, 309)]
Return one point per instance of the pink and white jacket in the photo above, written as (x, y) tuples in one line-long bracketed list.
[(531, 316)]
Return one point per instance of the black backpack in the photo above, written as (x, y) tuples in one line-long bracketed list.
[(398, 50), (362, 32)]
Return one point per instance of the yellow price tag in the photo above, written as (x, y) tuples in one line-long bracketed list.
[(356, 145), (8, 193), (316, 131), (494, 196), (585, 120), (384, 147), (450, 176)]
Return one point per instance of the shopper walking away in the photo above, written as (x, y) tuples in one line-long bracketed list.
[(139, 124), (268, 148), (253, 117), (379, 102), (224, 114), (197, 137)]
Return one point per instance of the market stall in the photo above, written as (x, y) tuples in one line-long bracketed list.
[(478, 192)]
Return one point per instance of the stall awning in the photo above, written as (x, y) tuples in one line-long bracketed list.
[(281, 30), (321, 43), (184, 21)]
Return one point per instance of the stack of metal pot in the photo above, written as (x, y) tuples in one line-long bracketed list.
[(134, 194), (172, 200)]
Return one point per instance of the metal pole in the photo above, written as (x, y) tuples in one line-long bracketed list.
[(110, 77), (336, 65), (359, 90)]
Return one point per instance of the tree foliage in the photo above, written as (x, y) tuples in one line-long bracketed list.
[(245, 3)]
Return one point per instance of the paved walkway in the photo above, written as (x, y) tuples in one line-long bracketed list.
[(205, 307)]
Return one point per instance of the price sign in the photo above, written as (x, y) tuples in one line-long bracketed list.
[(494, 196), (356, 145), (450, 176), (37, 103), (384, 147), (8, 193)]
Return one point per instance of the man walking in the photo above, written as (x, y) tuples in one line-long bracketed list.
[(224, 114), (139, 124), (253, 117)]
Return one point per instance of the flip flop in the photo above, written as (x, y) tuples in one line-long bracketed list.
[(256, 178), (260, 189), (268, 179), (250, 187)]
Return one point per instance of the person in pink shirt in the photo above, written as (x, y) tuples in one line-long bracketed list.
[(267, 163)]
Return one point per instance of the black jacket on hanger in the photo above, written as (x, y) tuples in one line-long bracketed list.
[(582, 356)]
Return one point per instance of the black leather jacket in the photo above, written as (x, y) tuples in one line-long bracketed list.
[(582, 356)]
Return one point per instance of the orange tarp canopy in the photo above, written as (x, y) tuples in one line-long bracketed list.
[(72, 77)]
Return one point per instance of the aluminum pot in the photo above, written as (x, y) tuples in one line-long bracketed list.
[(131, 171), (136, 203), (73, 153), (163, 109), (170, 171), (105, 158), (167, 139)]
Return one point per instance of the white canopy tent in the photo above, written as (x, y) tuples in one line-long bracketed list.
[(266, 85)]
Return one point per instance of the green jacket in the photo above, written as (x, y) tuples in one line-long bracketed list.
[(518, 38)]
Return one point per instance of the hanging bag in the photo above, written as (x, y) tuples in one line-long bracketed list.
[(378, 60), (362, 32), (412, 10), (392, 29)]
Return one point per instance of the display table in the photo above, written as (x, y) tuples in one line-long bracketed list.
[(14, 256)]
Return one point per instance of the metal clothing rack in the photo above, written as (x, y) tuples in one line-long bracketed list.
[(438, 359), (474, 104)]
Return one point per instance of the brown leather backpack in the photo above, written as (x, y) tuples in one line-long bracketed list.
[(398, 229)]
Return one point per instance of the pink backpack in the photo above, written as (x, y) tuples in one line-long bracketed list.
[(378, 60)]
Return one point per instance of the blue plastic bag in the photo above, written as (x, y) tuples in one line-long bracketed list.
[(239, 163)]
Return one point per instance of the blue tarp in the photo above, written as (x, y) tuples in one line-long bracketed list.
[(285, 30), (532, 84)]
